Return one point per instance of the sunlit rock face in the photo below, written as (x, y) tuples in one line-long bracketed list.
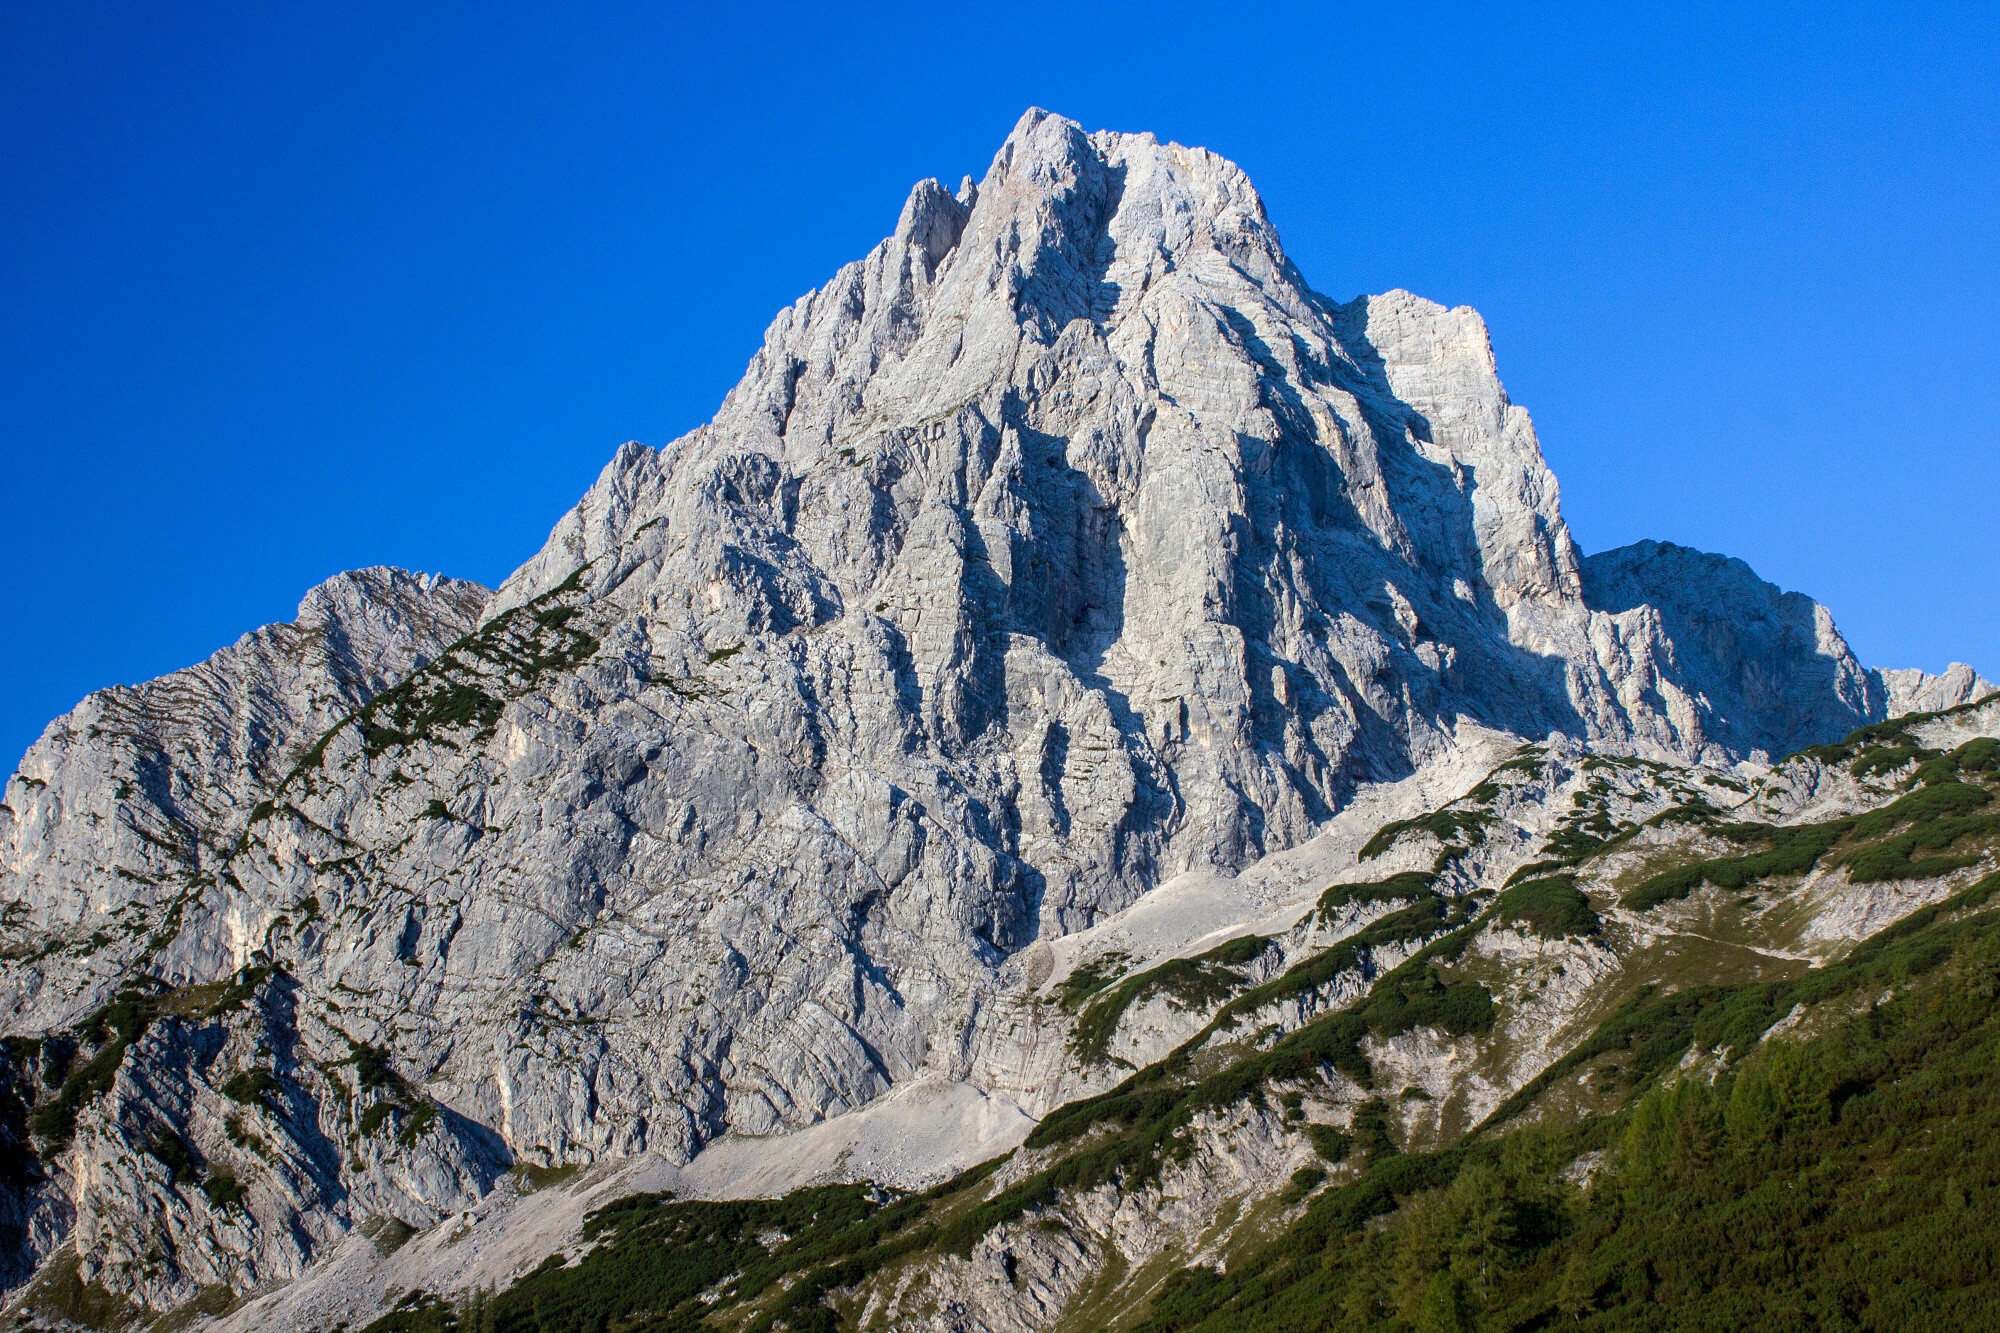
[(1908, 690), (1066, 542)]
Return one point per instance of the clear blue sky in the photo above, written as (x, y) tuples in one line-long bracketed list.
[(287, 289)]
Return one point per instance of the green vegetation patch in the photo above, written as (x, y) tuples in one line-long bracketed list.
[(1789, 850), (466, 688), (421, 708), (1330, 1143), (1146, 1116), (1424, 918), (1698, 813), (665, 1265), (1456, 831), (394, 1098), (1883, 747), (223, 1189), (1880, 747), (1942, 799), (1410, 886), (1530, 761), (1089, 978), (1979, 755), (1896, 858), (1583, 835), (1851, 1180), (171, 1151), (1553, 908), (534, 1176), (1188, 983), (1933, 817), (253, 1087), (112, 1030), (60, 1291)]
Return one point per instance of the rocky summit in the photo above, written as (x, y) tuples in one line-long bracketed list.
[(1067, 592)]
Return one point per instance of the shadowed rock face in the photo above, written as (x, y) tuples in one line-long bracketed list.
[(1066, 542), (1776, 673)]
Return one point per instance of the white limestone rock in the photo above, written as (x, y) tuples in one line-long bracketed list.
[(141, 791), (1912, 690), (123, 813), (1771, 673)]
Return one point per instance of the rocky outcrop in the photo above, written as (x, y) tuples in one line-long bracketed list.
[(1065, 544), (1910, 690), (1765, 669), (140, 793)]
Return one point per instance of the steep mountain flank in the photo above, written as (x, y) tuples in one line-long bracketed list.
[(1065, 591), (142, 791)]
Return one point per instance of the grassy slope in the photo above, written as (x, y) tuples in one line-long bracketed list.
[(1850, 1179)]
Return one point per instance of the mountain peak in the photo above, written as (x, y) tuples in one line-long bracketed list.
[(1063, 546), (931, 222)]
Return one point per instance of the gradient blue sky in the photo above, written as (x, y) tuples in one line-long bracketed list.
[(287, 289)]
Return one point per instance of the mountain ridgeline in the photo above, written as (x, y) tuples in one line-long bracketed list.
[(1098, 791)]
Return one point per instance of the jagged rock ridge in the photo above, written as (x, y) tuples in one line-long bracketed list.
[(142, 788), (1066, 543)]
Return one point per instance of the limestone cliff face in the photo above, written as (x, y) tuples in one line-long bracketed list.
[(1066, 542), (116, 832), (139, 794)]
